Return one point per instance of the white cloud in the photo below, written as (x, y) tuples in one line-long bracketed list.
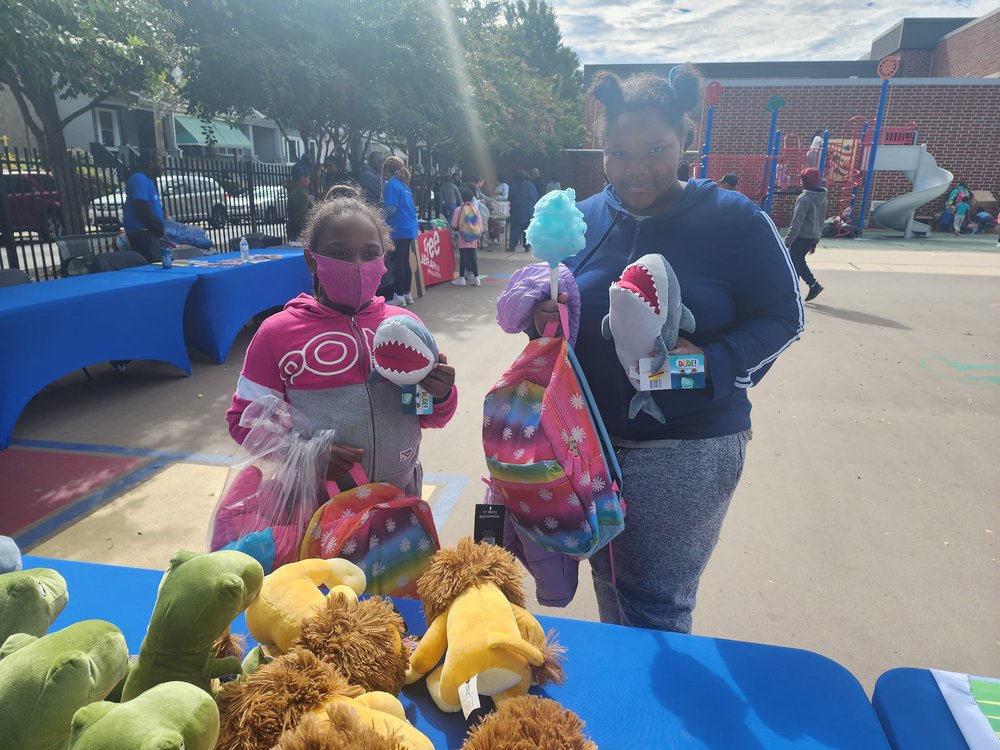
[(632, 31)]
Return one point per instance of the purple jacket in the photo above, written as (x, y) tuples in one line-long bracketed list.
[(530, 285), (555, 574)]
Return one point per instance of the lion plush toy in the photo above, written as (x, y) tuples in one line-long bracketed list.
[(291, 594), (474, 604), (340, 729), (256, 711), (529, 722)]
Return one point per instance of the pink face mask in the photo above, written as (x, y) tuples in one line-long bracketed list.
[(349, 284)]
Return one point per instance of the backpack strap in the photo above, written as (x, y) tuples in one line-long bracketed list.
[(357, 475), (551, 328)]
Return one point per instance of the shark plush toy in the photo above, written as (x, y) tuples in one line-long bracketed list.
[(644, 319), (404, 350)]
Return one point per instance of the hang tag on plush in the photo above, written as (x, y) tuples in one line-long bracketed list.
[(417, 401), (489, 524), (468, 695)]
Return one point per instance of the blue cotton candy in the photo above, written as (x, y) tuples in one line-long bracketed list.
[(557, 229)]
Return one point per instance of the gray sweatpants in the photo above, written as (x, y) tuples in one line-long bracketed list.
[(677, 498)]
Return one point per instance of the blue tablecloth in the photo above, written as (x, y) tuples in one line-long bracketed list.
[(226, 297), (635, 689), (913, 712), (51, 328)]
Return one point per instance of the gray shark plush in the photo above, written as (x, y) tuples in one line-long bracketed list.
[(644, 319), (404, 350)]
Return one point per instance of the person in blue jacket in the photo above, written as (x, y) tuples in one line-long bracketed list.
[(401, 215), (142, 215), (523, 197), (737, 278)]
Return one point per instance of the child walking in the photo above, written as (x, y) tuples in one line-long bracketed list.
[(316, 354), (467, 220)]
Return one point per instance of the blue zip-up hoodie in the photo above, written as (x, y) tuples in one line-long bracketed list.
[(736, 277)]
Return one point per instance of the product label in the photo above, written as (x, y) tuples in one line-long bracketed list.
[(489, 524), (417, 401), (468, 695), (685, 372)]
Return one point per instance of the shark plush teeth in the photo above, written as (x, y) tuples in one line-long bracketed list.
[(644, 318), (404, 350)]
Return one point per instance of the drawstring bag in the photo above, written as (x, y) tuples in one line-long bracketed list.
[(274, 485), (379, 528)]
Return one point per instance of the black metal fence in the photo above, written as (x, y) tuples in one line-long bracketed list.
[(46, 208)]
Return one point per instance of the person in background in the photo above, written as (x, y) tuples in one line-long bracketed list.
[(142, 215), (289, 357), (815, 149), (370, 177), (553, 184), (502, 189), (451, 196), (468, 270), (956, 195), (962, 207), (523, 197), (299, 201), (538, 181), (736, 278), (807, 227), (683, 170), (729, 181), (482, 203), (333, 172), (401, 214)]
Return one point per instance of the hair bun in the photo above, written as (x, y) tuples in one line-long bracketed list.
[(343, 191), (686, 83), (607, 89)]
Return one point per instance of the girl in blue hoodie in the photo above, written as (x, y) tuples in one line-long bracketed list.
[(736, 277)]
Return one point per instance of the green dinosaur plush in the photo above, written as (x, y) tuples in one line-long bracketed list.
[(199, 597), (30, 600), (43, 681), (171, 716)]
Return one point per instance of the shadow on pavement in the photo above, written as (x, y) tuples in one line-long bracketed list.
[(857, 317)]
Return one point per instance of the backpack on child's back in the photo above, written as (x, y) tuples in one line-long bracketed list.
[(470, 226)]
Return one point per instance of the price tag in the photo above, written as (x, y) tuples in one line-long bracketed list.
[(468, 695), (417, 401), (684, 372), (489, 524)]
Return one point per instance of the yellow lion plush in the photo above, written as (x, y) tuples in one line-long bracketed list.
[(291, 594), (474, 602)]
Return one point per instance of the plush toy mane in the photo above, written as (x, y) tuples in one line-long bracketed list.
[(273, 699), (529, 723), (550, 671), (454, 569), (363, 640), (344, 732)]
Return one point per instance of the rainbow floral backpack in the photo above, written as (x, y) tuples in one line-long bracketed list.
[(548, 453), (379, 528)]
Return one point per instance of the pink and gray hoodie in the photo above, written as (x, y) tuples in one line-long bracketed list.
[(318, 360)]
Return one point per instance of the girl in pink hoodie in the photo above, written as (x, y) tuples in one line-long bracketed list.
[(316, 354)]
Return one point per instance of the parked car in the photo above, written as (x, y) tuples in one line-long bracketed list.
[(186, 198), (33, 204), (270, 202)]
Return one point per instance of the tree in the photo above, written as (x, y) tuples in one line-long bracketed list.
[(68, 48)]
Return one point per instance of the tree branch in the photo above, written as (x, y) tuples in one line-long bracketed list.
[(86, 108), (9, 77)]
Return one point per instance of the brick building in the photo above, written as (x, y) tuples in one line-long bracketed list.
[(947, 87)]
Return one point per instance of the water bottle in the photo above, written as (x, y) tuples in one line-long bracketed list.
[(166, 257), (244, 250)]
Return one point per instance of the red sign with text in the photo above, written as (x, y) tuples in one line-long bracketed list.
[(437, 256)]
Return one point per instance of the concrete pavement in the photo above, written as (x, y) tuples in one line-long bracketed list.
[(866, 524)]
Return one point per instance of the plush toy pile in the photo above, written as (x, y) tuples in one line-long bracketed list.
[(326, 673)]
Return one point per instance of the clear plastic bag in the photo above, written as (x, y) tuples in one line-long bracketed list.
[(275, 485)]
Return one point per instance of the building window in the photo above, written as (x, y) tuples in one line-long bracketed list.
[(107, 128), (294, 148)]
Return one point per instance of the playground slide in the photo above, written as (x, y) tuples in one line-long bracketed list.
[(928, 179)]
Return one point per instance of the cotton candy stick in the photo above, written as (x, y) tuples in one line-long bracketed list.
[(556, 232)]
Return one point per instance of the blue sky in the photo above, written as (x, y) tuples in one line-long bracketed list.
[(610, 31)]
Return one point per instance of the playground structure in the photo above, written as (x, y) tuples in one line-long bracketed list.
[(847, 163)]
